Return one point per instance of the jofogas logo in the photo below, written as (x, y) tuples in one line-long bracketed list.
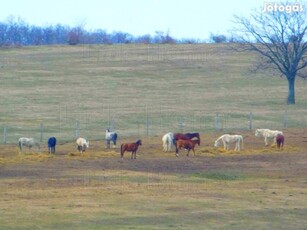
[(269, 7)]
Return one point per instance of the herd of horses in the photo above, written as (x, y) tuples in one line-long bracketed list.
[(186, 141)]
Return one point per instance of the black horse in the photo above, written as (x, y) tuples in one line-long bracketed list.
[(51, 144)]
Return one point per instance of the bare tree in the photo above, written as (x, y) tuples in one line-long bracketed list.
[(280, 37)]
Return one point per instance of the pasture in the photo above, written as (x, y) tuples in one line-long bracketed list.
[(129, 87), (138, 90), (257, 188)]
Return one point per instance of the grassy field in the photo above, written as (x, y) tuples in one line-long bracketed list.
[(138, 90), (132, 87), (258, 188)]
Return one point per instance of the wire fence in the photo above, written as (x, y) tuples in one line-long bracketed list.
[(67, 124)]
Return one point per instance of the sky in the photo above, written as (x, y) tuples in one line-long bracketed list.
[(182, 18)]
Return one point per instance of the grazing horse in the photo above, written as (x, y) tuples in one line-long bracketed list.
[(82, 144), (267, 134), (280, 140), (186, 144), (187, 136), (111, 136), (130, 147), (167, 140), (28, 142), (51, 144), (228, 139)]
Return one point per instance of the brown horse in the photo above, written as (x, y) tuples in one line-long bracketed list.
[(130, 147), (280, 139), (186, 144), (186, 136)]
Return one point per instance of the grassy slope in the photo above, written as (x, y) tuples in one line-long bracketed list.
[(98, 85)]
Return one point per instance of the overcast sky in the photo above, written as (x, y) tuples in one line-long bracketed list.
[(182, 18)]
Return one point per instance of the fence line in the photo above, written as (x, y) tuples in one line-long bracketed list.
[(151, 122)]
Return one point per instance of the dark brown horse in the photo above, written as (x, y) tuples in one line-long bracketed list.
[(130, 147), (186, 144), (280, 139), (186, 136)]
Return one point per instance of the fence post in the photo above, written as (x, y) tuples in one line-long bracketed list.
[(217, 122), (250, 121), (147, 121), (77, 129), (4, 135), (286, 119), (41, 131)]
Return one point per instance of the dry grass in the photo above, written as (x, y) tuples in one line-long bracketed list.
[(257, 188), (98, 85)]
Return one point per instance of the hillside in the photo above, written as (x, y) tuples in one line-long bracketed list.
[(137, 90)]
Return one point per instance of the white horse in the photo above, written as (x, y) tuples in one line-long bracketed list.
[(267, 134), (168, 142), (228, 139), (28, 142), (82, 144)]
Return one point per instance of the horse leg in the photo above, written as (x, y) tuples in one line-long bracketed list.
[(164, 146), (177, 155), (266, 141), (122, 154)]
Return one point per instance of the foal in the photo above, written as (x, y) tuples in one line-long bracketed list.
[(130, 147), (186, 144)]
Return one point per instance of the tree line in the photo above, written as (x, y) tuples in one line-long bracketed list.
[(16, 32)]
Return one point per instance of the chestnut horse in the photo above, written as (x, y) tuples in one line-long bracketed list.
[(186, 144), (186, 136), (130, 147), (280, 139)]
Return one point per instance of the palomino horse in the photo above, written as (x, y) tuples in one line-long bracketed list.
[(228, 139), (111, 136), (130, 147), (186, 144), (82, 144), (28, 142), (267, 134), (280, 140), (167, 141), (51, 144)]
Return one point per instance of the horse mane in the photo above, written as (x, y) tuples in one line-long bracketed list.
[(138, 142)]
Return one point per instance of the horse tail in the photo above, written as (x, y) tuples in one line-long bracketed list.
[(115, 138), (242, 143), (20, 145)]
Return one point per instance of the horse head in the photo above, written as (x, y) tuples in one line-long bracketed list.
[(139, 142), (198, 142), (257, 133)]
